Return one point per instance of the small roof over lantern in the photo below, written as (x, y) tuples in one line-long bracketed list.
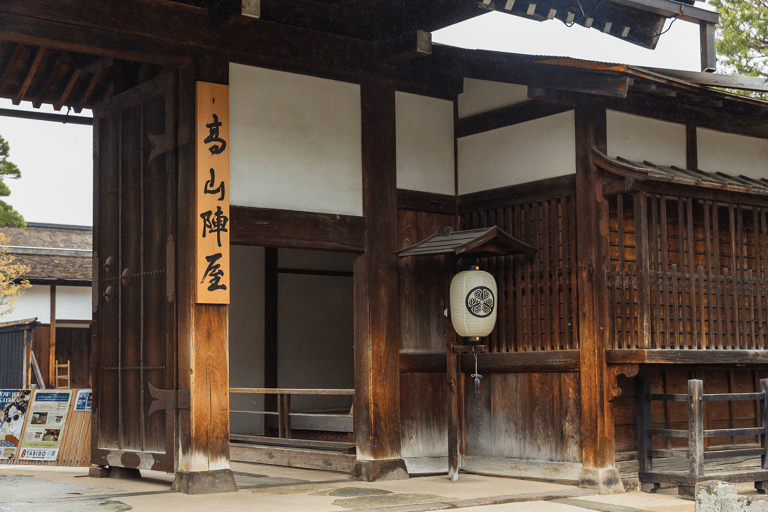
[(471, 243)]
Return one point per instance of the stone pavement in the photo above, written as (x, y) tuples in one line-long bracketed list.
[(270, 488)]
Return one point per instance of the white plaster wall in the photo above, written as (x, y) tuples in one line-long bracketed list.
[(483, 96), (72, 303), (246, 337), (525, 152), (315, 328), (425, 156), (295, 142), (642, 138), (732, 154), (33, 303)]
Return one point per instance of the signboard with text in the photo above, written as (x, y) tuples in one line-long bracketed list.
[(47, 417), (212, 193)]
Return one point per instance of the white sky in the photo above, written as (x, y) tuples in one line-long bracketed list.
[(56, 159)]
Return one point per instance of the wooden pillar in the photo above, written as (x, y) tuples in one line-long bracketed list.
[(592, 252), (270, 326), (377, 378), (203, 343), (52, 342)]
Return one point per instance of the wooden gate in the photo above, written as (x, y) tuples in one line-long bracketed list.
[(134, 319)]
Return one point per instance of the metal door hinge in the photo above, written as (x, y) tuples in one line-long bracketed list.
[(165, 399)]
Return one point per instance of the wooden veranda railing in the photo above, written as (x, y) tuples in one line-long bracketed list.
[(687, 272), (690, 311), (284, 415), (692, 460)]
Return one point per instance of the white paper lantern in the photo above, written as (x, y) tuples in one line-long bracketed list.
[(473, 303)]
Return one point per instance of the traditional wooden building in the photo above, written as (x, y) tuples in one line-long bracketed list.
[(59, 260), (350, 136)]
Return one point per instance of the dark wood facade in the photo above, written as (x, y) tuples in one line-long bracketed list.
[(614, 289)]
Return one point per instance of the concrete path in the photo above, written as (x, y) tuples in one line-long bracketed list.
[(269, 488)]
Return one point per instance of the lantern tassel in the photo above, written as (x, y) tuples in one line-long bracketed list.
[(476, 375)]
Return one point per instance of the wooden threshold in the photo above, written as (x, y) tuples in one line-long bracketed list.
[(296, 443), (292, 457), (664, 356)]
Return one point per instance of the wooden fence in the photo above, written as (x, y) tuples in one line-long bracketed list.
[(694, 457)]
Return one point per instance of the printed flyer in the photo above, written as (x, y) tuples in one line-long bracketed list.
[(83, 400), (13, 409), (47, 416)]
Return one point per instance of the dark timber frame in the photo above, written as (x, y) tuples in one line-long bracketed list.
[(552, 340)]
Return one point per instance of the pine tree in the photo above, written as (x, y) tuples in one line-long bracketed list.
[(742, 38), (8, 170)]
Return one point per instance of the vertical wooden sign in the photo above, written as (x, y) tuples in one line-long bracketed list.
[(212, 193)]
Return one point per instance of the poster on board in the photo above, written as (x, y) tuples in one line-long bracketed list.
[(13, 409), (45, 426), (83, 400)]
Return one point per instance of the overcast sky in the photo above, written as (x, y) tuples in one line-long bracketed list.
[(56, 159)]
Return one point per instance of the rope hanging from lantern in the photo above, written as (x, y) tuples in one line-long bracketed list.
[(476, 375)]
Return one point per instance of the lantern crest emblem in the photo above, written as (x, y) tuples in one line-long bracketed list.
[(480, 301)]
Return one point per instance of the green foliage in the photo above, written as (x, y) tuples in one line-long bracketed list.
[(742, 38), (8, 170)]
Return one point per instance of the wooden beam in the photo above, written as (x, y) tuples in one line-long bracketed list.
[(513, 362), (716, 111), (62, 60), (30, 74), (123, 30), (377, 391), (301, 230), (671, 356), (13, 63), (64, 96), (513, 195), (426, 202), (525, 71), (507, 116), (405, 47), (46, 116), (95, 80), (502, 362)]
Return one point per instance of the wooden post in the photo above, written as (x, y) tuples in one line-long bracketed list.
[(203, 429), (643, 269), (762, 486), (270, 327), (52, 342), (455, 389), (643, 415), (695, 427), (592, 252), (377, 377)]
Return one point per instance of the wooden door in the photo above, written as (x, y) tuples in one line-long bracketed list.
[(134, 320)]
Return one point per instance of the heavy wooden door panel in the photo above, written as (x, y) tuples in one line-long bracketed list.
[(135, 167)]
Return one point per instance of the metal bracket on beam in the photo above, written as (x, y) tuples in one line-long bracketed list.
[(168, 399), (405, 47)]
